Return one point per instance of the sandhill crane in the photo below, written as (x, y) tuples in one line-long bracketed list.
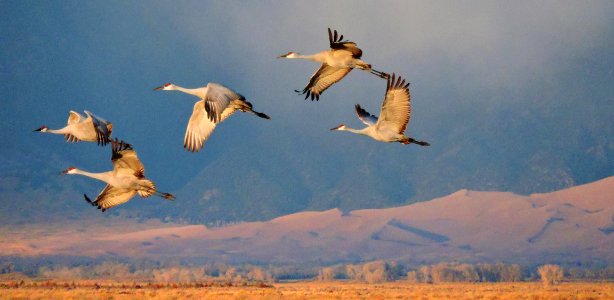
[(217, 103), (126, 179), (90, 129), (337, 62), (395, 114)]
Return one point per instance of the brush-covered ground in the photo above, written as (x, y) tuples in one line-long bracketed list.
[(307, 290)]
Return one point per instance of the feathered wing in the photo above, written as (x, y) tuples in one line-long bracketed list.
[(124, 159), (111, 196), (73, 118), (396, 108), (365, 116), (322, 79), (200, 127), (218, 99), (336, 42), (101, 126)]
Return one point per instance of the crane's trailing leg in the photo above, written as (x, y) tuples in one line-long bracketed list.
[(247, 107), (380, 74), (166, 196), (412, 141)]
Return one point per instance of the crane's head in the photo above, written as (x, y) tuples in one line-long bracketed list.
[(71, 170), (289, 55), (41, 129), (340, 127), (165, 87)]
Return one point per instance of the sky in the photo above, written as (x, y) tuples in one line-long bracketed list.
[(463, 58)]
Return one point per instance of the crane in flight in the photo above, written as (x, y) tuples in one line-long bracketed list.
[(126, 180), (394, 116), (78, 128), (217, 103), (338, 61)]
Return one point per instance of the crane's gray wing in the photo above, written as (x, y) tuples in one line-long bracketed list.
[(396, 108), (125, 160), (322, 79), (336, 43), (200, 127), (365, 116), (101, 126), (111, 196), (218, 99), (73, 118)]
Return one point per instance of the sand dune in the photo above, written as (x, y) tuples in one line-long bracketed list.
[(572, 224)]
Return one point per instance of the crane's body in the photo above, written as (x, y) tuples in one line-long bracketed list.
[(126, 180), (89, 129), (217, 103), (337, 62), (395, 114)]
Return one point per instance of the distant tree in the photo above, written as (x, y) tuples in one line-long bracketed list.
[(412, 276), (326, 274), (354, 272), (424, 274), (231, 274), (257, 274), (375, 272), (111, 270), (62, 273), (550, 274), (511, 273)]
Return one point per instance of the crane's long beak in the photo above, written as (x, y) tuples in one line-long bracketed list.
[(337, 128), (282, 56), (158, 88)]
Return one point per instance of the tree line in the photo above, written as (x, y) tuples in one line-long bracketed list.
[(370, 272)]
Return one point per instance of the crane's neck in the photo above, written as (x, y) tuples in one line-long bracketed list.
[(357, 131), (317, 57), (64, 130), (198, 92), (104, 176)]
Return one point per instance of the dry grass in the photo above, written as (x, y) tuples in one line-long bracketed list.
[(313, 290)]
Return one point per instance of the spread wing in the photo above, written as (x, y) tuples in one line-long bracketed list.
[(396, 108), (365, 116), (111, 196), (218, 99), (73, 118), (322, 79), (337, 43), (200, 127), (101, 126), (124, 159)]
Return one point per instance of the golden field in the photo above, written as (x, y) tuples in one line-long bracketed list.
[(314, 290)]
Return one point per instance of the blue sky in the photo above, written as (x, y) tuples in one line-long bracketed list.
[(462, 58)]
